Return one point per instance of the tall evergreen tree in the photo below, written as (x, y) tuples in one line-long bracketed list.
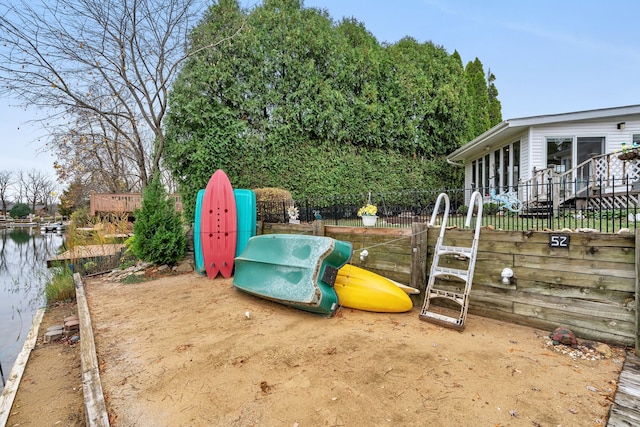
[(479, 103), (495, 107)]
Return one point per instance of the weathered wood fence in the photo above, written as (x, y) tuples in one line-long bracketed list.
[(591, 286)]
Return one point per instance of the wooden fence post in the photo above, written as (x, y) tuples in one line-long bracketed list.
[(318, 228), (419, 257), (637, 336)]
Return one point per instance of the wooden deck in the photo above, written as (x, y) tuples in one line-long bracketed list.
[(121, 203), (84, 252), (625, 411)]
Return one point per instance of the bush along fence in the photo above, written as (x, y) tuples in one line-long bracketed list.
[(546, 204), (588, 283)]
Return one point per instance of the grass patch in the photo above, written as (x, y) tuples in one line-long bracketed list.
[(133, 278), (61, 286)]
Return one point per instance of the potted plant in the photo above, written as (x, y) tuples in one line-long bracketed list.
[(369, 214), (629, 154)]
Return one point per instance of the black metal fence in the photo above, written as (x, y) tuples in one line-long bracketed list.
[(532, 206)]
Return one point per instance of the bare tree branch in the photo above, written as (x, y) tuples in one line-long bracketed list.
[(103, 69)]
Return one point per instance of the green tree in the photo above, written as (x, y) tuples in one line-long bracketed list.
[(158, 233), (299, 102), (479, 102), (495, 107), (73, 197), (20, 210)]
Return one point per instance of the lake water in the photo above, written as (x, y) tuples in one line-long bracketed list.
[(23, 273)]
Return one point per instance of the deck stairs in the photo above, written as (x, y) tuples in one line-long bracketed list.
[(466, 253), (601, 182)]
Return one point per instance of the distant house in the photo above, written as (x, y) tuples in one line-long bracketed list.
[(577, 146)]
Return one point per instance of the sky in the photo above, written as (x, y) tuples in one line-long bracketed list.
[(548, 56)]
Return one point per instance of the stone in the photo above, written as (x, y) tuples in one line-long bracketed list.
[(563, 335), (52, 336), (71, 326), (184, 267), (605, 350)]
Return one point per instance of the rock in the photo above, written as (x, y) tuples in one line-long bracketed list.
[(605, 350), (71, 326), (184, 267), (587, 230), (52, 336), (563, 335)]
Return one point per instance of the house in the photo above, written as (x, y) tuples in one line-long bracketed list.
[(521, 155)]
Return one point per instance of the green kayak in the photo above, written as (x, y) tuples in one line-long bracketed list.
[(295, 270)]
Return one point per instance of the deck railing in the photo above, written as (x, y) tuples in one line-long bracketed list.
[(606, 173), (591, 196), (605, 212), (120, 203)]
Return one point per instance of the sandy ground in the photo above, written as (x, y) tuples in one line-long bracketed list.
[(185, 350)]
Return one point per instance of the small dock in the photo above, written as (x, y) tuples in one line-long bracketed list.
[(18, 224), (86, 253), (625, 411)]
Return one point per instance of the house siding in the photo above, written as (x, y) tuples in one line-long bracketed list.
[(525, 156), (532, 132), (600, 128), (468, 179)]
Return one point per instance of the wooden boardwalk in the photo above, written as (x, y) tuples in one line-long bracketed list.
[(84, 252), (625, 411)]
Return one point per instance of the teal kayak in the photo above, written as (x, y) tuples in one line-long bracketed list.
[(295, 270), (246, 212), (197, 240)]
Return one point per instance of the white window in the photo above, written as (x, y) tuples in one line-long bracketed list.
[(499, 169)]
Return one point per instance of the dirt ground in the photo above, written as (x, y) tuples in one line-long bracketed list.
[(50, 392), (185, 350)]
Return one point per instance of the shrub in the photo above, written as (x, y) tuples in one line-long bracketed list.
[(272, 195), (61, 286), (80, 217), (490, 208), (462, 210), (128, 258), (159, 235), (19, 210)]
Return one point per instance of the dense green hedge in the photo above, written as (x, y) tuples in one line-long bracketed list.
[(282, 96)]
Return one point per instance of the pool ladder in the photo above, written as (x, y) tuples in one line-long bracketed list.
[(438, 271)]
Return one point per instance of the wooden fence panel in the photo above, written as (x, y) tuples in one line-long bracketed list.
[(590, 287)]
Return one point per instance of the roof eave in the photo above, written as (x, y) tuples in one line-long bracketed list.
[(461, 153)]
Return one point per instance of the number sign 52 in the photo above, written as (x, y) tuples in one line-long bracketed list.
[(558, 240)]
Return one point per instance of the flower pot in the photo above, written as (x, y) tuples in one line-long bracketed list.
[(369, 220), (629, 155)]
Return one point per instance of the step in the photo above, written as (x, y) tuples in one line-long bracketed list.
[(454, 250), (442, 320), (439, 293), (445, 271)]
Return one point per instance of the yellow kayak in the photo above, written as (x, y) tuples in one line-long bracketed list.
[(364, 290)]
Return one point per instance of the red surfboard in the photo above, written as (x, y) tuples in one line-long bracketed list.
[(218, 226)]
